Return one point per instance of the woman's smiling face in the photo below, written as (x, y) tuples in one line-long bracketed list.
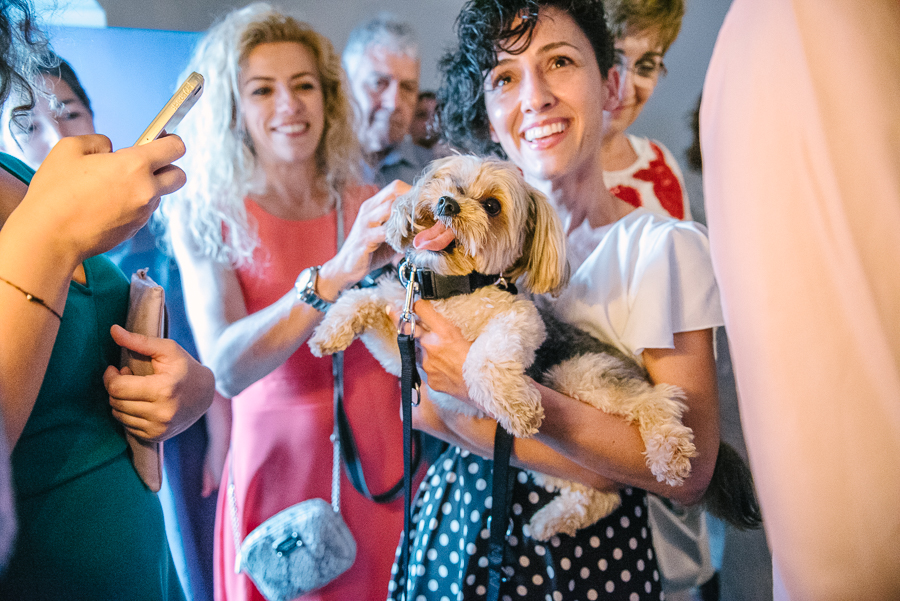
[(640, 57), (282, 103), (545, 104)]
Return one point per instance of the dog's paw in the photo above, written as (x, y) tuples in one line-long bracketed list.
[(519, 414), (669, 449), (546, 523), (329, 339)]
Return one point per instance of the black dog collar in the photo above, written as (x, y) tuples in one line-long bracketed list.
[(433, 286)]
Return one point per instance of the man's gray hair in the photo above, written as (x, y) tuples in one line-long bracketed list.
[(386, 31)]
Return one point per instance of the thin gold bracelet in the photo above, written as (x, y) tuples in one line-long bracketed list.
[(34, 299)]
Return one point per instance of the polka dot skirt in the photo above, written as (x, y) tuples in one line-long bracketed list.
[(613, 559)]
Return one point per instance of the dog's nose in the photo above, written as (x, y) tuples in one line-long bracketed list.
[(447, 207)]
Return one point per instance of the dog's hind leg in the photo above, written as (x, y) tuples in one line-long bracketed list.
[(575, 507), (669, 444), (604, 382)]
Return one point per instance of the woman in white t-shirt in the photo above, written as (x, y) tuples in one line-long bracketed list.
[(638, 170), (531, 80)]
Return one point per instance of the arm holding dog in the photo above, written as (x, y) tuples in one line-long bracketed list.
[(588, 438), (615, 449), (240, 347), (477, 435)]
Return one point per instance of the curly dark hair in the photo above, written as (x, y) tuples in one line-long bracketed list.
[(63, 71), (485, 27), (23, 49)]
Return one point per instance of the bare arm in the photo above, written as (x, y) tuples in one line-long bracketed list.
[(238, 347), (477, 435), (218, 440), (67, 214), (614, 448), (241, 348), (587, 438)]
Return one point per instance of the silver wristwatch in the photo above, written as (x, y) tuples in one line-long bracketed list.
[(306, 289)]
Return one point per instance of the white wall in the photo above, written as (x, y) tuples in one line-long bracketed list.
[(433, 19), (666, 117)]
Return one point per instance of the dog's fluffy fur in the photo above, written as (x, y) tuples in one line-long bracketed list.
[(499, 224)]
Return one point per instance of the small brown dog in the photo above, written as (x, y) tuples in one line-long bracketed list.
[(476, 220)]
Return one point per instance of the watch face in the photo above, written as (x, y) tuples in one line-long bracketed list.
[(303, 280)]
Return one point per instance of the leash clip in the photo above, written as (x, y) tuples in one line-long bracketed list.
[(407, 273)]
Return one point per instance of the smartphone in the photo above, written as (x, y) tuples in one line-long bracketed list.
[(177, 107)]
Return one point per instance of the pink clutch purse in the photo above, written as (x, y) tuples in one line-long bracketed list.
[(147, 316)]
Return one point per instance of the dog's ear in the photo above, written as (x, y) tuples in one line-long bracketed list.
[(546, 268), (398, 226)]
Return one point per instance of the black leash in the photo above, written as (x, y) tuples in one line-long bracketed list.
[(409, 382), (501, 488), (353, 465), (349, 453), (501, 492)]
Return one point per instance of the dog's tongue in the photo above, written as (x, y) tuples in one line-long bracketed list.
[(435, 238)]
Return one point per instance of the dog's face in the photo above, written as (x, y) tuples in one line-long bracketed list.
[(469, 214)]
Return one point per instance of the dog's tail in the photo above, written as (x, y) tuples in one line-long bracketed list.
[(731, 496)]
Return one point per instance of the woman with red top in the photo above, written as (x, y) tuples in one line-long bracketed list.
[(638, 170), (273, 172)]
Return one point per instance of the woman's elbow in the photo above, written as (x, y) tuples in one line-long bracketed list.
[(224, 388), (691, 492), (693, 489), (226, 384)]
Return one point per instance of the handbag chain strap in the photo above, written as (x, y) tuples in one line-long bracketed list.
[(337, 371), (232, 509)]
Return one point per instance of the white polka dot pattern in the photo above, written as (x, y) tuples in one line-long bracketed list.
[(612, 559)]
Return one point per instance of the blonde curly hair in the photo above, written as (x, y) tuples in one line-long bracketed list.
[(220, 162)]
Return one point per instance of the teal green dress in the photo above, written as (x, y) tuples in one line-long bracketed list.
[(88, 527)]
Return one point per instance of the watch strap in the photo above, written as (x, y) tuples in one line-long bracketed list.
[(308, 293)]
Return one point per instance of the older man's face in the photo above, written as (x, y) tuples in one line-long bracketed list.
[(385, 86)]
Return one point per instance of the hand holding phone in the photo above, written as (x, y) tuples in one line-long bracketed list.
[(174, 110)]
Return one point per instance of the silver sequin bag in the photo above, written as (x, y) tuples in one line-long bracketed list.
[(301, 548), (298, 550)]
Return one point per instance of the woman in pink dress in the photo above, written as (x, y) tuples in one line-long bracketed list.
[(273, 168)]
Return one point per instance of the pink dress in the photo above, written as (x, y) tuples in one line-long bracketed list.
[(280, 448)]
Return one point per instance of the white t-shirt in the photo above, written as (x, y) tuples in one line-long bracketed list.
[(638, 281), (654, 181)]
